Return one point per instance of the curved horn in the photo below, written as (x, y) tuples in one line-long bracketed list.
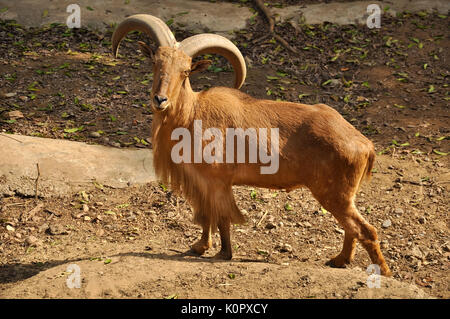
[(216, 44), (154, 27)]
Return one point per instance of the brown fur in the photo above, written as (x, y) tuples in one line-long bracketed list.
[(318, 149)]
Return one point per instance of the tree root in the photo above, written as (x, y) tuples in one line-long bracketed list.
[(260, 5)]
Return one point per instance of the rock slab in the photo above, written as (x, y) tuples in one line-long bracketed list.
[(66, 166)]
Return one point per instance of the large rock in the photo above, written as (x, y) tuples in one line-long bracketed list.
[(198, 16), (67, 166), (355, 12), (202, 16)]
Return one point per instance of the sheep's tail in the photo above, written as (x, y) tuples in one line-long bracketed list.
[(370, 163), (367, 173)]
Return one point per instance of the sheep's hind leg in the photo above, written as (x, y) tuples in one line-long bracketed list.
[(356, 227), (205, 242)]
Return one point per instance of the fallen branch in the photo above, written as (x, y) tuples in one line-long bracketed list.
[(263, 216), (260, 5), (413, 183), (15, 204), (27, 216)]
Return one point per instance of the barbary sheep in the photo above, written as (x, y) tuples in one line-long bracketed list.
[(313, 145)]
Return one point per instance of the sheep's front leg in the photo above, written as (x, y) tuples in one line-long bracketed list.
[(205, 242), (347, 254), (224, 229)]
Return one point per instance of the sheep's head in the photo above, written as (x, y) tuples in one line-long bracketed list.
[(172, 61)]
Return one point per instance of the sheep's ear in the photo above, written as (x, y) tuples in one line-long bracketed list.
[(145, 49), (200, 66)]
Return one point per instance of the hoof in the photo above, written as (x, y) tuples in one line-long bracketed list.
[(337, 262), (223, 255), (198, 249), (385, 271)]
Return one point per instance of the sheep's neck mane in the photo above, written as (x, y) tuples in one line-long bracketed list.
[(179, 114)]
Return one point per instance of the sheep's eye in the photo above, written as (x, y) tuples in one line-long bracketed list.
[(187, 72)]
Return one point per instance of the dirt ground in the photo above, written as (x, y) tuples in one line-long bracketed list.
[(391, 83)]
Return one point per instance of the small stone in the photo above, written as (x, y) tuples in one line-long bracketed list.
[(10, 228), (270, 225), (53, 212), (87, 218), (10, 94), (85, 208), (339, 231), (387, 223), (79, 215), (36, 219), (43, 228), (94, 134), (132, 216), (23, 98), (384, 244), (398, 211), (307, 225), (416, 252), (56, 229), (32, 241), (84, 196), (114, 144), (285, 248)]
